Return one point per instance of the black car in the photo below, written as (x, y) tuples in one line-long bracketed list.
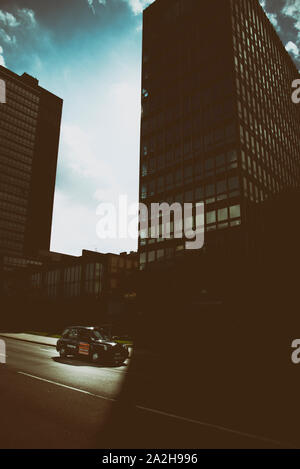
[(92, 343)]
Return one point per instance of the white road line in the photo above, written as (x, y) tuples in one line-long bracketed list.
[(65, 386), (165, 414), (209, 425)]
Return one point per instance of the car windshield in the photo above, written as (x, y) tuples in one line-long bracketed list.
[(100, 334)]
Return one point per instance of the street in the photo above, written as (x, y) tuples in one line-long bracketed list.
[(47, 402), (40, 413)]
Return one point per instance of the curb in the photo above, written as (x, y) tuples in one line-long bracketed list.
[(27, 341)]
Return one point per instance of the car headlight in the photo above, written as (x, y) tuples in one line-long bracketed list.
[(125, 346)]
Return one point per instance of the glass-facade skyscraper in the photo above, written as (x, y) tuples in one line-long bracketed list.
[(218, 122), (29, 137)]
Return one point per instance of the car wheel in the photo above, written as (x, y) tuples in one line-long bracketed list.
[(119, 363), (94, 356), (62, 352)]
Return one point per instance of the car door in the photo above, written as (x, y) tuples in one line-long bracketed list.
[(64, 338), (71, 342), (84, 342)]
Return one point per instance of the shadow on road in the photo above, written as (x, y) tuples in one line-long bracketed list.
[(82, 362)]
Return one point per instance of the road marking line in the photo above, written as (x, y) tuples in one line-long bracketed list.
[(65, 386), (164, 414), (210, 425)]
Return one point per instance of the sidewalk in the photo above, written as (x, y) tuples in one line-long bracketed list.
[(37, 339)]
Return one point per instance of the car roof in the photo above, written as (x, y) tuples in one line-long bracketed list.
[(82, 327)]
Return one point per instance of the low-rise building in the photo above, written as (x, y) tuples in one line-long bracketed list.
[(65, 289)]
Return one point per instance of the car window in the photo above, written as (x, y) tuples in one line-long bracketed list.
[(84, 335), (65, 333), (100, 334), (73, 334)]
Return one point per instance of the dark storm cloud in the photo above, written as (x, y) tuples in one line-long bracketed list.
[(59, 34), (70, 17), (62, 21)]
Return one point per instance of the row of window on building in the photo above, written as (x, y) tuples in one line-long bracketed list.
[(25, 95), (15, 142), (11, 225), (71, 281), (224, 134), (219, 218), (215, 220), (211, 192), (11, 262), (30, 106), (19, 183), (21, 154), (209, 166)]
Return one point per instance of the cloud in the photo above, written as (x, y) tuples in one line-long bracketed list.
[(137, 6), (80, 154), (292, 10), (6, 37), (27, 17), (20, 31), (292, 48), (75, 228), (2, 61), (273, 17), (82, 167), (73, 223), (92, 3), (274, 20), (8, 19), (285, 17), (81, 173), (10, 24)]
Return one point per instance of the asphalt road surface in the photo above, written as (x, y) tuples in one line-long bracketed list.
[(47, 402)]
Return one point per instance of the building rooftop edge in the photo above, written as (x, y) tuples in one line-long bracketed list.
[(27, 80)]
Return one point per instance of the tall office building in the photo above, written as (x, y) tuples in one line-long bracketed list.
[(218, 122), (29, 137)]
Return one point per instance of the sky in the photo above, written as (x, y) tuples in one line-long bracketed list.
[(88, 52)]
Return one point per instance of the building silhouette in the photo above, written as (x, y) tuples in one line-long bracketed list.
[(29, 138), (218, 122), (218, 126), (92, 288)]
